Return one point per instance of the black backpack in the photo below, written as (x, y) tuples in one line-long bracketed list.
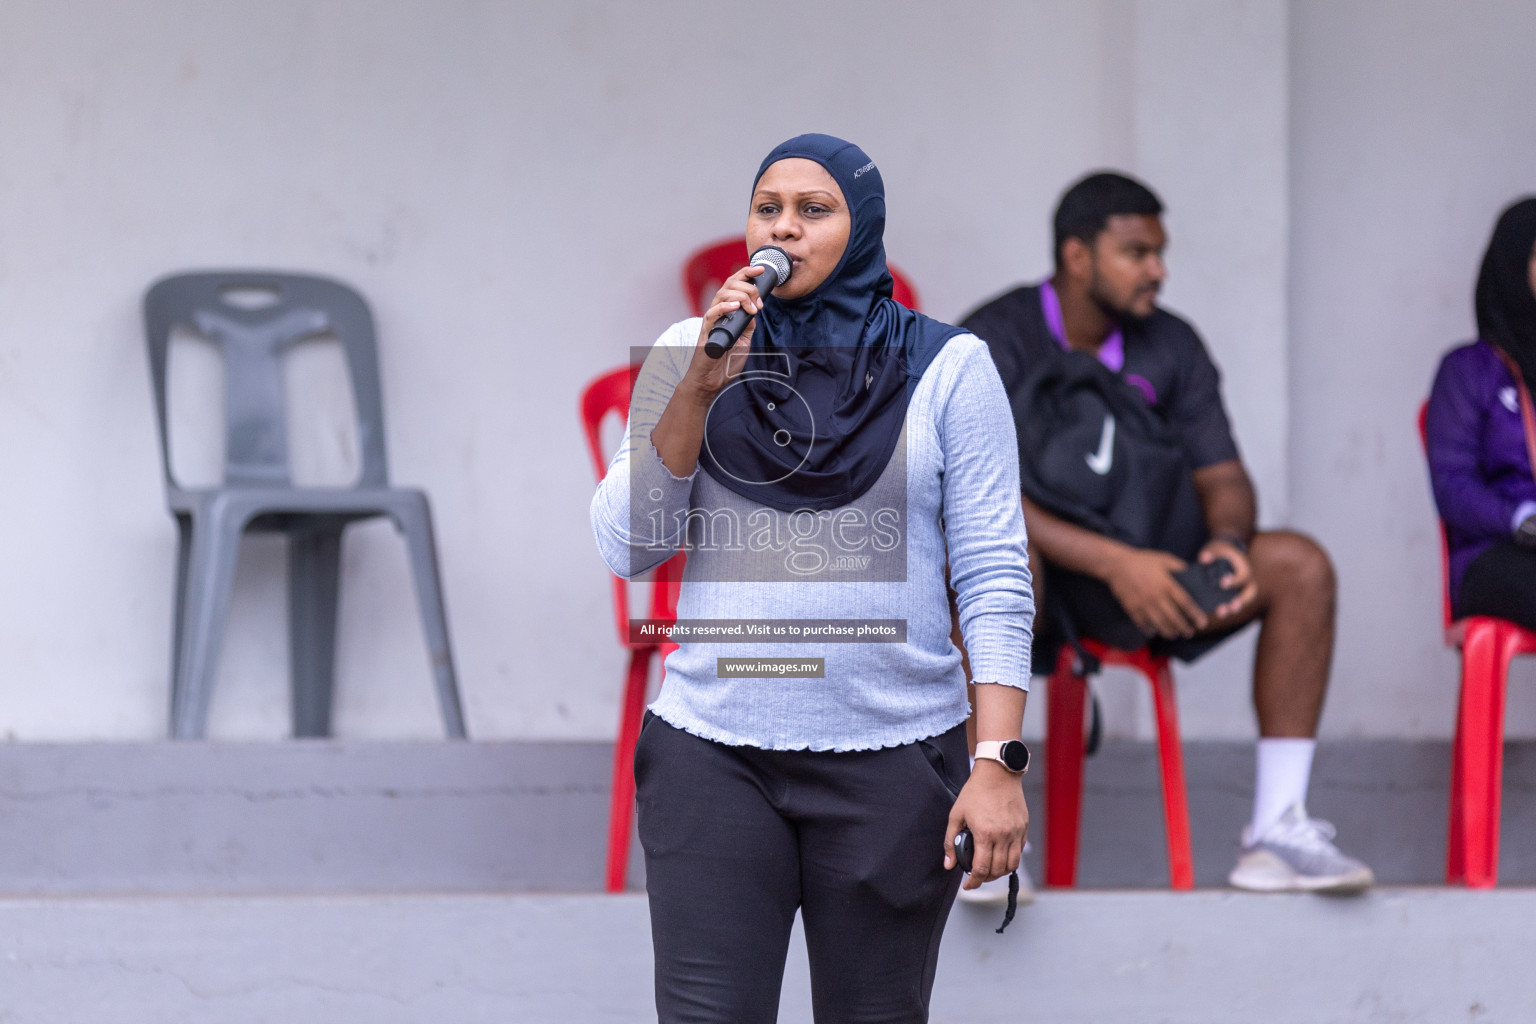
[(1092, 451)]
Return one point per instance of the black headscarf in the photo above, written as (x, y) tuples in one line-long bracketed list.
[(1506, 306), (814, 421)]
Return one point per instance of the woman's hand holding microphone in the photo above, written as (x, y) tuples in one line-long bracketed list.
[(737, 292), (680, 432)]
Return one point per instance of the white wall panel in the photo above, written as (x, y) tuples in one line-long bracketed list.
[(1412, 129), (514, 187)]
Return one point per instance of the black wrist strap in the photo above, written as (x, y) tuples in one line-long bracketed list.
[(1233, 539), (1013, 901)]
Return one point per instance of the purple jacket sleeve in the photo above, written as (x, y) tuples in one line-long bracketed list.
[(1459, 404)]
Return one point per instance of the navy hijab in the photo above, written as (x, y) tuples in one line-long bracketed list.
[(814, 419), (1506, 306)]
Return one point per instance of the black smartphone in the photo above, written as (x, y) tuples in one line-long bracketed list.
[(963, 850), (1202, 581)]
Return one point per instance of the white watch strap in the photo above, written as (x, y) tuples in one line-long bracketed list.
[(991, 750)]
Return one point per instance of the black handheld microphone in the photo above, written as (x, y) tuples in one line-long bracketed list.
[(727, 330)]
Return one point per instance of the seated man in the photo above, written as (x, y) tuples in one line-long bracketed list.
[(1102, 300)]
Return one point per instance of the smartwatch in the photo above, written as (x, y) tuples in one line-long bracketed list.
[(1011, 754)]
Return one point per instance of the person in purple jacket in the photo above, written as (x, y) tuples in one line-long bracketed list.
[(1479, 459)]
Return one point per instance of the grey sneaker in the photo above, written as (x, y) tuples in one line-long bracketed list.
[(995, 892), (1297, 854)]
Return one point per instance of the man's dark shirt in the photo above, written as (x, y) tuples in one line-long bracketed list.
[(1166, 360), (1164, 357)]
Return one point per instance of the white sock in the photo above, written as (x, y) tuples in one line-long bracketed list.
[(1283, 769)]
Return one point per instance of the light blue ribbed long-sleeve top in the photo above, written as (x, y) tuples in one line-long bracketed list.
[(952, 487)]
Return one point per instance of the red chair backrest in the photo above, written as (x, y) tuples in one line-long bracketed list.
[(707, 267), (604, 396), (1445, 553), (609, 395)]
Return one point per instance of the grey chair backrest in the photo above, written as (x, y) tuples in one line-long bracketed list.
[(252, 337)]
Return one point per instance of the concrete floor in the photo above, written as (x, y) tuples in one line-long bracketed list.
[(1410, 955), (379, 882)]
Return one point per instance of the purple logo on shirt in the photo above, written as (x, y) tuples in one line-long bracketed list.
[(1145, 385), (1111, 353)]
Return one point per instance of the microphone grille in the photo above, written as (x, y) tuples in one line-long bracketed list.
[(775, 259)]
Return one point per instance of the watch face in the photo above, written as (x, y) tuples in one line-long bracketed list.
[(1015, 755)]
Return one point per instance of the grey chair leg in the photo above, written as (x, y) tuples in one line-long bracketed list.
[(210, 577), (179, 612), (314, 584), (414, 517)]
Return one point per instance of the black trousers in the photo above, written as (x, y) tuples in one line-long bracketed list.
[(737, 838), (1501, 582)]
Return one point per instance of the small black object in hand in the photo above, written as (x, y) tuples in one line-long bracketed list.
[(1202, 581), (964, 857)]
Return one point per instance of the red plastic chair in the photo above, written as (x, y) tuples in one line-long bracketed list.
[(608, 395), (1487, 647), (707, 267), (1066, 700)]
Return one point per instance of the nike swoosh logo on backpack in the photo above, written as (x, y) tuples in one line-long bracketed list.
[(1101, 460)]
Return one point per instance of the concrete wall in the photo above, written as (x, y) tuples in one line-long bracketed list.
[(1410, 131), (365, 816), (1206, 85), (514, 187)]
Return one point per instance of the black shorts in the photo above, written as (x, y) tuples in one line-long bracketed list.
[(1500, 582), (1094, 613)]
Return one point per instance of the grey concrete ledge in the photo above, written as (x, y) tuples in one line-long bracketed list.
[(309, 816), (1190, 958), (348, 816)]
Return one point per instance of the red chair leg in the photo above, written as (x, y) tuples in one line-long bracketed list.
[(665, 584), (621, 807), (1181, 860), (1509, 645), (1455, 838), (1474, 826), (1065, 702)]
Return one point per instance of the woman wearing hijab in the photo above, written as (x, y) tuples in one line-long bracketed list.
[(848, 448), (1482, 434)]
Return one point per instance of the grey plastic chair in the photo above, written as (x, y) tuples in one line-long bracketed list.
[(258, 492)]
